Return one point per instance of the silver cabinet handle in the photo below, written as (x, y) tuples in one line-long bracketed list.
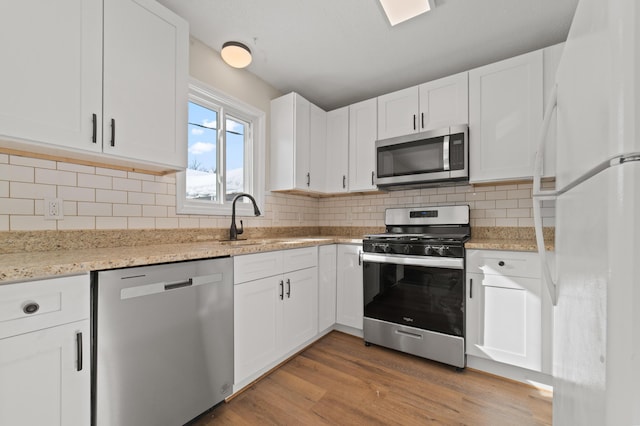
[(281, 290), (372, 176), (94, 134), (344, 181), (113, 132), (308, 179), (414, 121), (470, 288), (30, 308), (288, 288)]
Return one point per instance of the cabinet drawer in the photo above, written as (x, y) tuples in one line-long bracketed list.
[(301, 258), (494, 262), (52, 302), (254, 266)]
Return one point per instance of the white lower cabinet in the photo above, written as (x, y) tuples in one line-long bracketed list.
[(349, 298), (276, 313), (504, 308), (327, 270), (44, 352)]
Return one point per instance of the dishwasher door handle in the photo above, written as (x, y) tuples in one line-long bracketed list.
[(160, 287)]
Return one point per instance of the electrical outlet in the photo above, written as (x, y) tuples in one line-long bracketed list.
[(53, 209)]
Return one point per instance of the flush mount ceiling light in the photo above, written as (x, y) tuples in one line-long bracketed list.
[(398, 11), (236, 54)]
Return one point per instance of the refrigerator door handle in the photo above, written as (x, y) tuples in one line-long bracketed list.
[(539, 195)]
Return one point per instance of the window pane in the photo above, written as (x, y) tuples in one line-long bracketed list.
[(235, 139), (201, 176)]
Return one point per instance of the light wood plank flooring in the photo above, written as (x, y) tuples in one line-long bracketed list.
[(340, 381)]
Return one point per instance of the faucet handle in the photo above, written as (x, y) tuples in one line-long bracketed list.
[(241, 230)]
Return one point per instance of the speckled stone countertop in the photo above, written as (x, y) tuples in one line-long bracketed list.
[(38, 254), (509, 238), (33, 265)]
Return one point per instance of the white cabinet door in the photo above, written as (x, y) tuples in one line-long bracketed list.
[(44, 377), (145, 82), (505, 113), (504, 308), (551, 59), (51, 72), (290, 143), (444, 102), (257, 325), (350, 298), (337, 151), (362, 138), (300, 308), (398, 113), (327, 270), (317, 149)]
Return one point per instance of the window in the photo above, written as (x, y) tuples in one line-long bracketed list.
[(225, 154)]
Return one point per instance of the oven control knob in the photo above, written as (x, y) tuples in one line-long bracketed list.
[(441, 250), (407, 248), (383, 248), (428, 250)]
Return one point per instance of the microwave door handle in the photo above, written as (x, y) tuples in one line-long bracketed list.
[(445, 154)]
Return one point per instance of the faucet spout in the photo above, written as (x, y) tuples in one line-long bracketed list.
[(233, 230)]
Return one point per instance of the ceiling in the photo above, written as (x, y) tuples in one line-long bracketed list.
[(337, 52)]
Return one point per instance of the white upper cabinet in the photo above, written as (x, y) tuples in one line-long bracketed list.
[(551, 59), (61, 65), (296, 124), (362, 138), (431, 105), (337, 152), (145, 82), (52, 72), (505, 114)]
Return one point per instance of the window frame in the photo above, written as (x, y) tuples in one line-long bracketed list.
[(204, 95)]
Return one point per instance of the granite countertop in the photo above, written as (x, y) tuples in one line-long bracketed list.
[(39, 254), (33, 265)]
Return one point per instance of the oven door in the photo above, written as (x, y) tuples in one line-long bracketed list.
[(417, 291)]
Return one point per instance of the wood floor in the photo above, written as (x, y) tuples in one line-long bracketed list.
[(339, 381)]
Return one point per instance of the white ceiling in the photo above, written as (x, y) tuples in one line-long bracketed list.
[(337, 52)]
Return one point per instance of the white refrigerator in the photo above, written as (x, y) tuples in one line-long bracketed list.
[(596, 278)]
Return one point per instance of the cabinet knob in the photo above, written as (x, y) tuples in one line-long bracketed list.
[(501, 263), (30, 308)]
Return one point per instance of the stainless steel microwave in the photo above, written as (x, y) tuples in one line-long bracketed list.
[(432, 158)]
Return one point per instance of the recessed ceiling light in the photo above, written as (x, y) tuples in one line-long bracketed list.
[(236, 54), (400, 10)]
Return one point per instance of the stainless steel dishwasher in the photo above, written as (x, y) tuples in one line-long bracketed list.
[(162, 340)]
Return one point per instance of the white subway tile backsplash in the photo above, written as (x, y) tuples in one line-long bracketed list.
[(55, 177), (13, 173), (21, 206), (95, 209), (72, 193), (101, 198), (111, 223), (127, 184), (31, 190), (95, 181), (78, 168)]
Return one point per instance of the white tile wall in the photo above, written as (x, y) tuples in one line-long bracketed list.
[(100, 198)]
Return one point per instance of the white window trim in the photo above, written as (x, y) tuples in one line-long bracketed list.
[(256, 162)]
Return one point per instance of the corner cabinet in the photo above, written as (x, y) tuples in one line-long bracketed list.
[(505, 115), (44, 352), (362, 138), (298, 133), (337, 153), (275, 308), (327, 269), (350, 297), (508, 320), (90, 72), (438, 103)]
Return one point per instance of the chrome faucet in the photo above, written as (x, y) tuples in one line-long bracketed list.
[(234, 231)]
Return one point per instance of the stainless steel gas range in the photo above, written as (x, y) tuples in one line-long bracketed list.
[(414, 287)]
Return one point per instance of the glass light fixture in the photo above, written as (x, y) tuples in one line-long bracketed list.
[(398, 11), (236, 54)]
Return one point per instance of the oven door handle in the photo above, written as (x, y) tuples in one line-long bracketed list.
[(431, 262)]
